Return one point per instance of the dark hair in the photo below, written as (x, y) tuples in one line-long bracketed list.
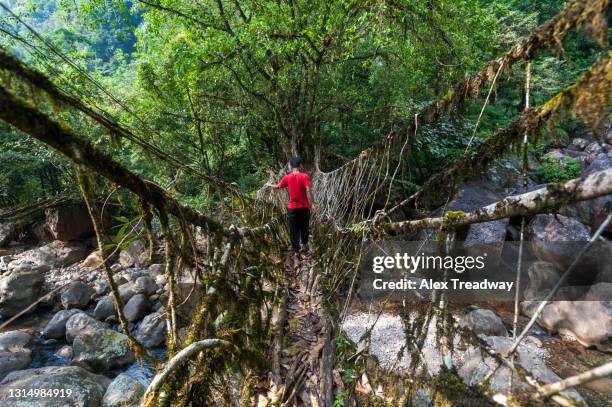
[(295, 162)]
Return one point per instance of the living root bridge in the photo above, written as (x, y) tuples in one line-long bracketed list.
[(589, 97), (553, 196), (577, 14)]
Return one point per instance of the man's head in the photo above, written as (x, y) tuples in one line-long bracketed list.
[(295, 162)]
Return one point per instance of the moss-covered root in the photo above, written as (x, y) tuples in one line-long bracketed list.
[(86, 190)]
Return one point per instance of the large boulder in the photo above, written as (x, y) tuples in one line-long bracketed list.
[(105, 308), (15, 351), (20, 266), (81, 323), (475, 365), (76, 295), (136, 308), (593, 212), (472, 196), (18, 290), (484, 321), (69, 222), (123, 391), (8, 232), (589, 322), (56, 327), (55, 254), (546, 230), (151, 331), (133, 255), (86, 389), (102, 350)]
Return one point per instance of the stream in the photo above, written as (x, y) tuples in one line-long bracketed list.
[(44, 353)]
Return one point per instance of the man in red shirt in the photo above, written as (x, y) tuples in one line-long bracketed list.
[(300, 203)]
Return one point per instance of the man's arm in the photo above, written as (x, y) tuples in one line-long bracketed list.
[(281, 184), (310, 198)]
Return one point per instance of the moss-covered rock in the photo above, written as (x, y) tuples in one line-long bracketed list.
[(102, 350)]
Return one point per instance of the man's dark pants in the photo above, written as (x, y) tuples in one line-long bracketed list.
[(299, 218)]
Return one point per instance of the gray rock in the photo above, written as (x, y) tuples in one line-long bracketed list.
[(546, 229), (69, 222), (64, 352), (594, 212), (87, 389), (104, 308), (599, 292), (15, 340), (19, 266), (474, 195), (81, 323), (580, 143), (530, 357), (126, 291), (152, 330), (484, 321), (589, 322), (11, 361), (15, 351), (594, 148), (145, 285), (137, 307), (76, 295), (56, 327), (542, 276), (131, 256), (18, 290), (124, 390), (100, 287), (56, 254), (160, 280), (102, 350), (156, 270)]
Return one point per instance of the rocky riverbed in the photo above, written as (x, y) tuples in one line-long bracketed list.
[(72, 341)]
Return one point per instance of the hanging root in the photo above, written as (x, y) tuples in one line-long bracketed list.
[(177, 361), (86, 190), (147, 216), (170, 272)]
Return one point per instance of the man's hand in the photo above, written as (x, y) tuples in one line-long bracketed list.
[(271, 185), (312, 208)]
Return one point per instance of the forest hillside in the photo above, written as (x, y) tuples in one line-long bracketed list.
[(216, 202)]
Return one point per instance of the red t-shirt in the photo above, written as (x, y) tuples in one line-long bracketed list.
[(296, 183)]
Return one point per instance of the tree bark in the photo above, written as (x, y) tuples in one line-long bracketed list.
[(176, 362), (541, 200)]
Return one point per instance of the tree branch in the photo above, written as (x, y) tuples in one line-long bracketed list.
[(538, 201)]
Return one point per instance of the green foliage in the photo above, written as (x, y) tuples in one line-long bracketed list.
[(349, 376), (553, 170), (123, 238), (227, 87), (339, 399), (341, 342)]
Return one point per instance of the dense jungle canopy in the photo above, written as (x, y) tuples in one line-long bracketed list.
[(232, 88), (168, 117)]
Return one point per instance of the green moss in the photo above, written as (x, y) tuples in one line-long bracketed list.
[(449, 390), (453, 216), (552, 170)]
